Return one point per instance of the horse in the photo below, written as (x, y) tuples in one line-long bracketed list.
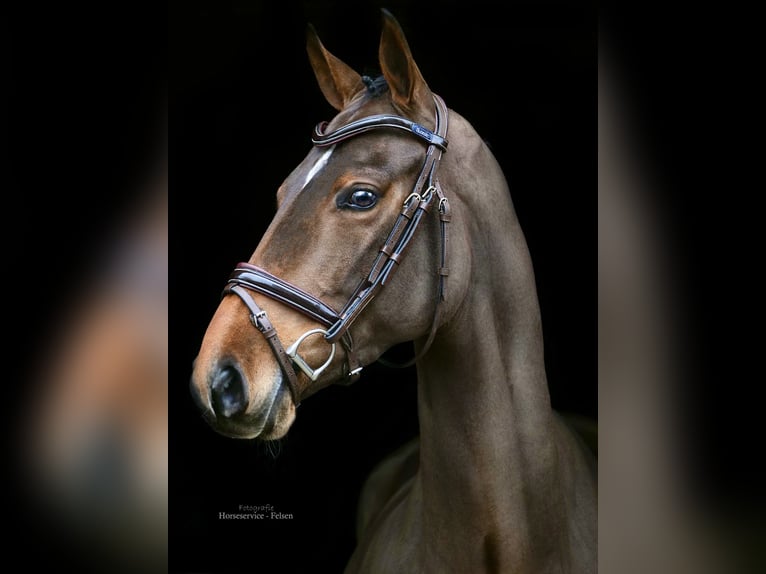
[(399, 226)]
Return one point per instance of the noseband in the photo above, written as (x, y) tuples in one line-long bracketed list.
[(247, 277)]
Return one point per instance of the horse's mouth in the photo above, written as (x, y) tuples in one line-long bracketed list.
[(243, 428)]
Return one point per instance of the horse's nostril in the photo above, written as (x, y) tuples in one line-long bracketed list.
[(228, 393)]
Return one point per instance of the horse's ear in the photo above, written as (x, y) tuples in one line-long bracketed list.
[(338, 82), (409, 90)]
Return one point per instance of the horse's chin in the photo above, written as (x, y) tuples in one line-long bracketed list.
[(279, 422)]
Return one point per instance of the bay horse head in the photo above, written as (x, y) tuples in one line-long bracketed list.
[(399, 226), (328, 289)]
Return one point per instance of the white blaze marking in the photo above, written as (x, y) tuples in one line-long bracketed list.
[(317, 166)]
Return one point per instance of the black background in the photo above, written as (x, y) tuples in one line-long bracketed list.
[(244, 101)]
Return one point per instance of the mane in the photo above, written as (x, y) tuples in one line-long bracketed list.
[(376, 86)]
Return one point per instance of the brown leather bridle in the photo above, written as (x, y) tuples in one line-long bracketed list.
[(336, 324)]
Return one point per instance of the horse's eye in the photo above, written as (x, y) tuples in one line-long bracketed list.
[(362, 199)]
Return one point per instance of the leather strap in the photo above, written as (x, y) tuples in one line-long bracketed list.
[(261, 281), (260, 321), (445, 216)]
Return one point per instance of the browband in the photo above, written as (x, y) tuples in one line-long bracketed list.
[(357, 127)]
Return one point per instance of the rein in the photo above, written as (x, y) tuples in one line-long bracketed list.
[(426, 192)]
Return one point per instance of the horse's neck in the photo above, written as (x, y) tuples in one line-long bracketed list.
[(487, 433)]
